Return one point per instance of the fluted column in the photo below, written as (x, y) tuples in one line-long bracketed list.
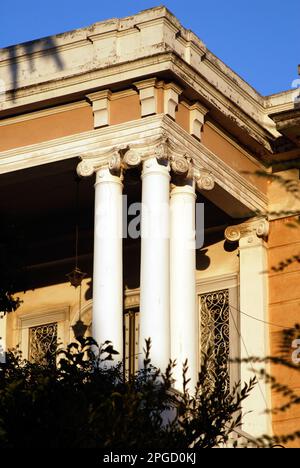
[(108, 268), (155, 274), (253, 317), (184, 316)]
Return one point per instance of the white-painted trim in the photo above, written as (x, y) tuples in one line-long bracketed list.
[(59, 314), (130, 133), (214, 283)]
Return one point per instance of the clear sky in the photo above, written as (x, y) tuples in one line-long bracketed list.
[(259, 39)]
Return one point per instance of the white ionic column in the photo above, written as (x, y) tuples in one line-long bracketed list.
[(155, 274), (108, 271), (184, 317), (108, 264), (3, 318), (253, 317)]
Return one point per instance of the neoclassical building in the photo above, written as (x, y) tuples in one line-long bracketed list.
[(119, 142)]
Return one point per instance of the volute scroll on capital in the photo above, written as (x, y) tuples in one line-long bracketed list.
[(204, 179), (258, 228), (96, 160)]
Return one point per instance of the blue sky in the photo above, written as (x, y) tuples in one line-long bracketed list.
[(259, 39)]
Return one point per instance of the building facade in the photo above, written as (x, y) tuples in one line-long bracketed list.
[(138, 113)]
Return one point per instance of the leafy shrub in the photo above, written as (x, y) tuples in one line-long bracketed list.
[(83, 401)]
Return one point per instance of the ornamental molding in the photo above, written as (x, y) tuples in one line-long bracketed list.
[(132, 298), (89, 66), (142, 137), (204, 179), (163, 148), (95, 160), (257, 227)]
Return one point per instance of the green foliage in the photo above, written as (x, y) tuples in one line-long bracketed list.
[(85, 401)]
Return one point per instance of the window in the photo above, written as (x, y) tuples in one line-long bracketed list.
[(43, 332), (214, 308), (131, 331), (219, 324), (131, 341), (43, 343)]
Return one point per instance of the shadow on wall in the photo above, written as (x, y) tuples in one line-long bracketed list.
[(30, 49)]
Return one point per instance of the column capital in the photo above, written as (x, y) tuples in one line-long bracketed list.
[(162, 147), (93, 161), (204, 179), (257, 228)]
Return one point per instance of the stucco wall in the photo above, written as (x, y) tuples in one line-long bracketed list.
[(38, 128), (214, 261), (125, 109), (42, 301), (227, 151), (284, 242)]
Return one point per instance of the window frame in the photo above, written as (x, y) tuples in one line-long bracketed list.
[(60, 316), (218, 283)]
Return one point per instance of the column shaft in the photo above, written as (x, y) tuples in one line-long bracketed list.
[(155, 275), (184, 317), (108, 273)]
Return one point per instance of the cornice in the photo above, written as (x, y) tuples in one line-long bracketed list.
[(82, 82), (257, 127), (125, 60), (136, 134), (115, 74)]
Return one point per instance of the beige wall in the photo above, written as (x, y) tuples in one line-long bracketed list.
[(214, 261), (45, 300)]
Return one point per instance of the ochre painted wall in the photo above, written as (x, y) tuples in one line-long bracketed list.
[(183, 117), (48, 127), (125, 109), (284, 293), (233, 157)]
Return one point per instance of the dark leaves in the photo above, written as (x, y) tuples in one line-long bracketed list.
[(82, 402)]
